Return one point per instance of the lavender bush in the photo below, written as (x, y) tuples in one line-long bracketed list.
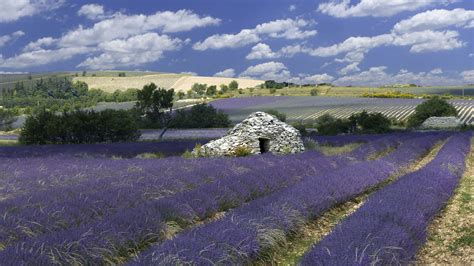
[(246, 233), (101, 213), (126, 150), (391, 226)]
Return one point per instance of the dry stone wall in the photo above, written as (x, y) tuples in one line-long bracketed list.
[(447, 122)]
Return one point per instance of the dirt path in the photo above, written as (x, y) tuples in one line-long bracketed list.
[(451, 234)]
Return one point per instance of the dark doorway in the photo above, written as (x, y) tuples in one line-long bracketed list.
[(264, 145)]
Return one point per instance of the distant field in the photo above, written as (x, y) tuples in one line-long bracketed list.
[(113, 83), (309, 108), (359, 91), (186, 83), (179, 82), (8, 81)]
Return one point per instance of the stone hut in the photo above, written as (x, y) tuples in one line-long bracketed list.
[(259, 133), (447, 122)]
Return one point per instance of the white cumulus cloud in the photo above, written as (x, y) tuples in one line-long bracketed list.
[(436, 19), (287, 29), (227, 73), (10, 37), (91, 11), (42, 57), (124, 26), (375, 8), (134, 51), (12, 10), (268, 71), (468, 76), (132, 37), (429, 41), (378, 76), (261, 51)]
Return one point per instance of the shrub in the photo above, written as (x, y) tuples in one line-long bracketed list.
[(224, 88), (233, 85), (187, 155), (242, 151), (370, 123), (150, 155), (279, 115), (199, 89), (310, 144), (301, 128), (7, 117), (328, 125), (432, 107), (272, 90), (180, 95), (199, 116), (211, 90), (314, 92), (79, 127)]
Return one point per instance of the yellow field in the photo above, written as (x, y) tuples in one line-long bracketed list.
[(179, 82), (111, 84), (185, 83)]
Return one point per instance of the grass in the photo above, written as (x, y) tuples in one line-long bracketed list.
[(336, 150), (317, 229), (150, 155), (7, 142), (451, 234)]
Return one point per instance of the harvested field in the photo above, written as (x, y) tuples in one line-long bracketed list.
[(111, 84), (185, 83), (179, 82)]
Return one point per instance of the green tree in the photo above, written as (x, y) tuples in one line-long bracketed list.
[(80, 88), (180, 95), (7, 118), (200, 116), (211, 90), (432, 107), (233, 85), (224, 88), (199, 89), (45, 127), (370, 123), (156, 104), (328, 125)]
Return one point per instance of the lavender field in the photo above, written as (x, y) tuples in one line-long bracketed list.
[(103, 204)]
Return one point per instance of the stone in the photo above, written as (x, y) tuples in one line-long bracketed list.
[(445, 122), (258, 133)]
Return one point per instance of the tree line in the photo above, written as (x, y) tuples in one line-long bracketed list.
[(154, 109)]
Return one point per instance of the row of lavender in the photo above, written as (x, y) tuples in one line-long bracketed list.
[(95, 219), (391, 226), (125, 150), (248, 232)]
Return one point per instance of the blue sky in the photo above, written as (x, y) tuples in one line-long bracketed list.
[(358, 42)]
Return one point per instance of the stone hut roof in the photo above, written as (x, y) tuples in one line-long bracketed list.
[(445, 122), (259, 133)]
